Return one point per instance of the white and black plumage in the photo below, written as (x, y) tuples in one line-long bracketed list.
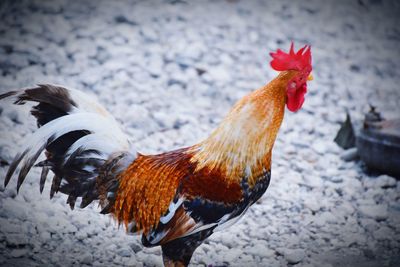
[(77, 135)]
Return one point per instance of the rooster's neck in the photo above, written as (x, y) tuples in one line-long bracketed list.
[(242, 144)]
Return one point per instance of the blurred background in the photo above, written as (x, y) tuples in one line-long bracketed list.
[(169, 71)]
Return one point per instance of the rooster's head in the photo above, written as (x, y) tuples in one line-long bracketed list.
[(300, 62)]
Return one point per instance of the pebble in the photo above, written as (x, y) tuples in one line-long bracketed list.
[(312, 203), (124, 252), (16, 239), (324, 218), (354, 238), (18, 253), (377, 212), (293, 256), (320, 147), (135, 246), (382, 233), (349, 154), (86, 258), (385, 181), (335, 179), (313, 181)]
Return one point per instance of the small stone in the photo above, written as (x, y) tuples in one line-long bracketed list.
[(16, 239), (261, 249), (320, 147), (149, 34), (369, 253), (332, 175), (136, 247), (11, 192), (87, 258), (369, 224), (349, 154), (313, 204), (112, 247), (18, 253), (232, 255), (294, 256), (220, 74), (125, 252), (377, 212), (335, 179), (385, 181), (45, 236), (313, 181), (347, 207), (324, 218), (354, 238), (382, 233), (81, 234)]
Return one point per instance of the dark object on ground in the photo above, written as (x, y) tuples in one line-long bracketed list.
[(378, 143), (346, 138)]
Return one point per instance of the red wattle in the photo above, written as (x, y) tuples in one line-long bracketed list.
[(295, 98)]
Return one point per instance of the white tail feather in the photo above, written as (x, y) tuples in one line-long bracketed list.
[(99, 142), (74, 122)]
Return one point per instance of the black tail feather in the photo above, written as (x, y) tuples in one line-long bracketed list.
[(27, 166), (56, 96), (88, 198), (55, 185), (8, 94), (43, 176), (71, 201), (17, 159)]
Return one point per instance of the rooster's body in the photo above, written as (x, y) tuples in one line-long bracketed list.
[(176, 199)]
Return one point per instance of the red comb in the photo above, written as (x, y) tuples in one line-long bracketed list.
[(299, 60)]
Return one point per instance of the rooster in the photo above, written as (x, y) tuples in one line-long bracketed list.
[(174, 199)]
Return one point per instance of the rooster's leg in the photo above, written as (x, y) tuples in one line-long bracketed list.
[(178, 252)]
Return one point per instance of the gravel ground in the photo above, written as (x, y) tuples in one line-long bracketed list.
[(169, 71)]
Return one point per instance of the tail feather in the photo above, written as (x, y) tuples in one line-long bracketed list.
[(27, 165), (45, 135), (79, 138), (43, 176), (91, 142), (8, 94), (87, 198), (71, 201), (55, 185), (13, 166), (56, 96)]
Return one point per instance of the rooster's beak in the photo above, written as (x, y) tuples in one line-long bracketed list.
[(310, 77)]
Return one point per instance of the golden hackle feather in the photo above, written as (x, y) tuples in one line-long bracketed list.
[(242, 143)]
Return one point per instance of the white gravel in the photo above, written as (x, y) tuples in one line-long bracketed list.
[(169, 71)]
